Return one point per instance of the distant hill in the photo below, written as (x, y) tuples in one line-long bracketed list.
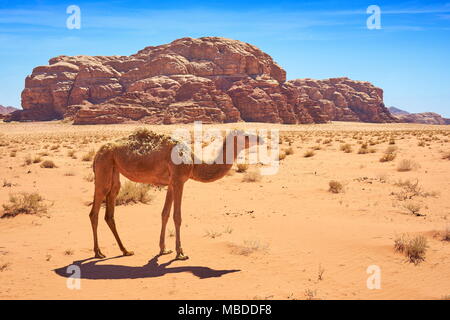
[(423, 117), (5, 110), (396, 111)]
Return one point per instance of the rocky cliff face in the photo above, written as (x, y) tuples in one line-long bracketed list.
[(424, 117), (210, 79)]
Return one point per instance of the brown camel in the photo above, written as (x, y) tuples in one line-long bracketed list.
[(146, 157)]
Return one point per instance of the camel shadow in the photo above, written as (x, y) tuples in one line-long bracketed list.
[(89, 269)]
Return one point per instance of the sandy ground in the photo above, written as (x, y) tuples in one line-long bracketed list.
[(283, 237)]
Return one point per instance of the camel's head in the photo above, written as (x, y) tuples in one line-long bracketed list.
[(249, 139)]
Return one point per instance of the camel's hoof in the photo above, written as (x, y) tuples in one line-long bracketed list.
[(99, 255), (181, 256), (128, 253), (165, 251)]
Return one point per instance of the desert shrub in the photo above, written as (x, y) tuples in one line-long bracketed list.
[(24, 203), (446, 156), (241, 167), (89, 177), (364, 149), (249, 247), (289, 151), (4, 266), (252, 176), (347, 148), (48, 164), (309, 153), (37, 159), (389, 154), (88, 156), (212, 234), (133, 192), (71, 153), (27, 161), (406, 165), (413, 247), (413, 208), (335, 186)]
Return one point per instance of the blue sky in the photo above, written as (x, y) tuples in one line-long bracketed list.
[(409, 57)]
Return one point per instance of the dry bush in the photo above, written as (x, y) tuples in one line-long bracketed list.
[(407, 165), (249, 247), (281, 155), (27, 161), (89, 177), (413, 247), (335, 187), (133, 192), (389, 154), (289, 151), (88, 156), (413, 208), (364, 149), (212, 234), (24, 203), (37, 159), (347, 148), (71, 153), (48, 164), (412, 189), (446, 234), (446, 156), (4, 266), (309, 153), (252, 176), (241, 167)]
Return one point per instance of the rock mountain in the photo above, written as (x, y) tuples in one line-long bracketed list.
[(210, 79)]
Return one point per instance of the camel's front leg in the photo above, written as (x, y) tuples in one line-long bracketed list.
[(178, 194), (164, 218)]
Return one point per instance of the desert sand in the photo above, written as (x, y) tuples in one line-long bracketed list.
[(285, 236)]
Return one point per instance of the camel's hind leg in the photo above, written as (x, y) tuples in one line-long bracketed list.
[(110, 206), (102, 187)]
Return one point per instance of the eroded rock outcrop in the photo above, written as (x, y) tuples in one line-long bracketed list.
[(210, 79)]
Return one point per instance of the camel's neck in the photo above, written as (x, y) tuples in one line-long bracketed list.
[(206, 172)]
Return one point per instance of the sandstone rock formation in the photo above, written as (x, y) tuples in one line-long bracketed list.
[(210, 79), (423, 117)]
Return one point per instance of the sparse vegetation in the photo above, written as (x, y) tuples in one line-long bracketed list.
[(252, 176), (413, 247), (249, 247), (389, 154), (335, 186), (406, 165), (241, 167), (133, 192), (24, 203), (347, 148), (413, 208), (88, 156), (309, 153), (48, 164)]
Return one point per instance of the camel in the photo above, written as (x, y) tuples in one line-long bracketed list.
[(145, 157)]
